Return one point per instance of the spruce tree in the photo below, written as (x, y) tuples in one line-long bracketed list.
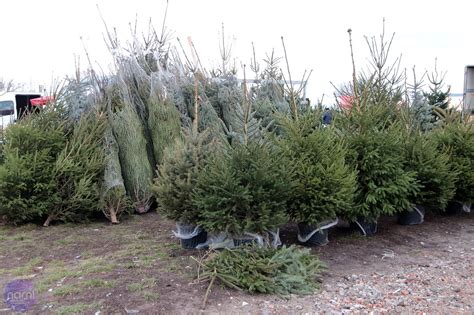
[(420, 107), (433, 170), (324, 184), (438, 96), (244, 189), (177, 176), (28, 189)]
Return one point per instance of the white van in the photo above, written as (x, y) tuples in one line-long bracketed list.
[(13, 105)]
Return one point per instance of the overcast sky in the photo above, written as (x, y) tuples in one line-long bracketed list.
[(40, 38)]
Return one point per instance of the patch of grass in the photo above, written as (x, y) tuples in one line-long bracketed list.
[(65, 290), (98, 283), (28, 267), (78, 308), (20, 237), (145, 284), (72, 309), (57, 270), (150, 296), (94, 265), (72, 239)]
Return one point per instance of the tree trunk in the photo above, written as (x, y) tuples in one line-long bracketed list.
[(48, 220), (113, 216)]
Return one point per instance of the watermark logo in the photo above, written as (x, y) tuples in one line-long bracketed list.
[(19, 295)]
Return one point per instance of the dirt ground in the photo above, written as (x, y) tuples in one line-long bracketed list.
[(138, 267)]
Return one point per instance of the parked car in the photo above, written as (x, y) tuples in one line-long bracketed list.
[(14, 105)]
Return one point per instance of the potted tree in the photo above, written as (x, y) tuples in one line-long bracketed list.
[(175, 181), (243, 192), (324, 183), (458, 138), (384, 185), (433, 174)]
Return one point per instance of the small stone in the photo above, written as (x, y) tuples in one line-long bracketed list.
[(299, 307), (405, 292), (457, 290), (245, 303)]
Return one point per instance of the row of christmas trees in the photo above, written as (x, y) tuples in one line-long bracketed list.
[(234, 159)]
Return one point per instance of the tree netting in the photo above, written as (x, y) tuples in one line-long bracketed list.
[(114, 200), (136, 168), (164, 124)]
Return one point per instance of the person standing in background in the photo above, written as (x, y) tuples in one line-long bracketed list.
[(327, 116)]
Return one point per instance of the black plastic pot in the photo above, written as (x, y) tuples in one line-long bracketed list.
[(364, 226), (192, 242), (413, 217), (454, 208), (317, 236)]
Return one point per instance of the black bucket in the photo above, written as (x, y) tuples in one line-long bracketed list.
[(454, 208), (364, 226), (412, 217), (192, 242), (319, 238)]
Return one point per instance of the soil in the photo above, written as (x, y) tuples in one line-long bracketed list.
[(138, 267)]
